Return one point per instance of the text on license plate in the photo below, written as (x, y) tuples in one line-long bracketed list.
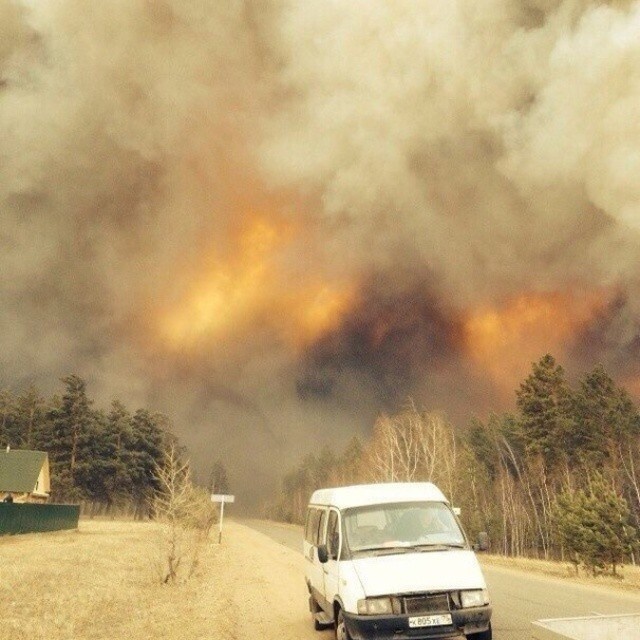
[(430, 621)]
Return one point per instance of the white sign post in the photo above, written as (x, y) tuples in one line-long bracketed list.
[(221, 498)]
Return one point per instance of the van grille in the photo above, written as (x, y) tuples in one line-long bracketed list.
[(426, 603)]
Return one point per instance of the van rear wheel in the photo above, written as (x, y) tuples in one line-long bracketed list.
[(342, 633)]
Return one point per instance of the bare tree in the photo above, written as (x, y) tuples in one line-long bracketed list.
[(186, 515), (414, 446)]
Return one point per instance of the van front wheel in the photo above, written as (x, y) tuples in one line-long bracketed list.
[(315, 608), (483, 635), (342, 633)]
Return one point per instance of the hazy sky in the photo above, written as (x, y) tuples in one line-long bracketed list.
[(273, 220)]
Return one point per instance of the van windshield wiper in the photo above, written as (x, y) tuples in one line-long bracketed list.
[(437, 546), (387, 549)]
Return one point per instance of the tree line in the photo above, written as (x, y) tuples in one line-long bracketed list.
[(558, 478), (105, 457)]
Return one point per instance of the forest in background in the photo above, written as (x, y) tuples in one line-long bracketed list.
[(558, 478), (106, 460), (103, 457)]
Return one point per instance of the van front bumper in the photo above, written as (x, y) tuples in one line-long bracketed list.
[(396, 627)]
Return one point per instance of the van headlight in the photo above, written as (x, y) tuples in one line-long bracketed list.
[(475, 598), (374, 606)]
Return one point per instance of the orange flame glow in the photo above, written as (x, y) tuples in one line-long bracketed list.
[(253, 285), (505, 340), (321, 309)]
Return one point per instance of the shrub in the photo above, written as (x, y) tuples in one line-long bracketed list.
[(187, 515)]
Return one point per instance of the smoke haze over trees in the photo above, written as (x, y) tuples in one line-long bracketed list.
[(274, 220), (557, 478)]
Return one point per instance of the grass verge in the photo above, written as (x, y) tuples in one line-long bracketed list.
[(629, 578)]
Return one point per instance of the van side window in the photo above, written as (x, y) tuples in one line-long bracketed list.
[(333, 535), (320, 529), (308, 524), (314, 517)]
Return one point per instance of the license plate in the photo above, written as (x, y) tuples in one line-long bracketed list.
[(430, 621)]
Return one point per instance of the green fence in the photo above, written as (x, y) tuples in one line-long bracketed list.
[(31, 518)]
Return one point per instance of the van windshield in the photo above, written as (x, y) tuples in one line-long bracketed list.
[(420, 525)]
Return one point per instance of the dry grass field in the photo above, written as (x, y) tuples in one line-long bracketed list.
[(100, 583), (97, 582)]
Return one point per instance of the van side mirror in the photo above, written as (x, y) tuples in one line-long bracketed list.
[(323, 553), (483, 543)]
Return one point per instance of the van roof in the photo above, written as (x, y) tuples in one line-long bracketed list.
[(363, 494)]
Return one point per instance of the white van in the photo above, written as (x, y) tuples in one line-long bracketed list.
[(392, 561)]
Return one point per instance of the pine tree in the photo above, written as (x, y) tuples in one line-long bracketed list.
[(325, 465), (72, 422), (568, 518), (480, 442), (604, 416), (71, 425), (95, 463), (593, 526), (544, 402), (7, 419), (611, 536), (119, 431), (30, 411), (146, 451), (218, 479), (348, 469)]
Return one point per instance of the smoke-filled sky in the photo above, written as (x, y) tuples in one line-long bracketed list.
[(272, 220)]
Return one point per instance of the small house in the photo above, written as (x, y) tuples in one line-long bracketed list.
[(24, 475)]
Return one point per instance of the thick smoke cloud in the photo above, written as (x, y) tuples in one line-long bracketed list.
[(417, 161), (465, 127)]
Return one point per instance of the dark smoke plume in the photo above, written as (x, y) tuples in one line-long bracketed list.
[(274, 219)]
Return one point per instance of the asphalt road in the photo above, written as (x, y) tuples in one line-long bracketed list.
[(517, 597)]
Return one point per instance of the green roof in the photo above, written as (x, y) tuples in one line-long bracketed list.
[(19, 470)]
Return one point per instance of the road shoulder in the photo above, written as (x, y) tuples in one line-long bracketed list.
[(261, 591)]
